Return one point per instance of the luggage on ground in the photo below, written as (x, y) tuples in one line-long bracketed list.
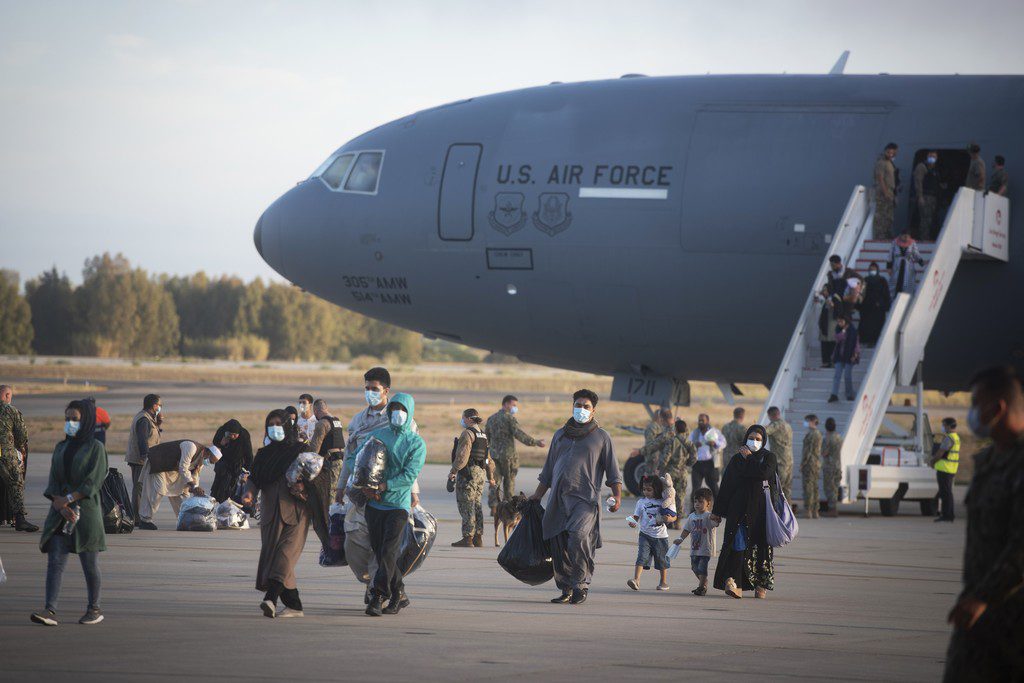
[(197, 513), (526, 555), (230, 515), (116, 504)]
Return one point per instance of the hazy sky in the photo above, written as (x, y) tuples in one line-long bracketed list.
[(163, 129)]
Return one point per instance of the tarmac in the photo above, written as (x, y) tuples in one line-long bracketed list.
[(855, 599)]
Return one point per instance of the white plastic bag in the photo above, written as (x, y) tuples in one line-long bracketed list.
[(231, 516), (3, 574)]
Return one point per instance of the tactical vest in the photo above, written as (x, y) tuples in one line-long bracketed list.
[(951, 462), (334, 442), (478, 451)]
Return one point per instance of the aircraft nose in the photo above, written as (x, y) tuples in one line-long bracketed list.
[(267, 237)]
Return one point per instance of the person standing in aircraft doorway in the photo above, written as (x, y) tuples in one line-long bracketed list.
[(885, 192)]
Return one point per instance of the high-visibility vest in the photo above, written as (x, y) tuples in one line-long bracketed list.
[(951, 462)]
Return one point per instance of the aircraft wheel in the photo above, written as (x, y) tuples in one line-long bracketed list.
[(633, 471), (929, 507), (889, 507)]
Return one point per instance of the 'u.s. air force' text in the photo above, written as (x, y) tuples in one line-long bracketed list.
[(600, 175)]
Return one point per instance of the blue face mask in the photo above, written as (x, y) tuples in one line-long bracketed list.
[(275, 432), (374, 398), (514, 409), (581, 415), (71, 427), (977, 426), (399, 417)]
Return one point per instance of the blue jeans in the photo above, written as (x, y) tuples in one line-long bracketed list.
[(652, 549), (699, 564), (57, 549), (846, 370)]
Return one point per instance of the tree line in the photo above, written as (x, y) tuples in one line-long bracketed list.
[(123, 312)]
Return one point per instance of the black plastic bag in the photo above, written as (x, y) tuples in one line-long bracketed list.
[(417, 541), (333, 555), (116, 504), (526, 555), (371, 460)]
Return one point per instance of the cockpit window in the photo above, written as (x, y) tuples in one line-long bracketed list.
[(335, 173), (365, 173)]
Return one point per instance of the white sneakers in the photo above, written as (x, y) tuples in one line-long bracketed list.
[(663, 586), (269, 609), (287, 612)]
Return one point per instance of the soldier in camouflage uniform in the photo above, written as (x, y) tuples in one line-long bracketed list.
[(659, 424), (735, 433), (671, 452), (13, 438), (781, 435), (502, 432), (832, 466), (471, 470), (810, 465), (885, 193), (988, 618)]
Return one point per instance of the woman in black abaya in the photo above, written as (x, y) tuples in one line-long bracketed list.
[(236, 449), (746, 562)]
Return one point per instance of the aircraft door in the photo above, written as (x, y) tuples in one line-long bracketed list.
[(456, 202)]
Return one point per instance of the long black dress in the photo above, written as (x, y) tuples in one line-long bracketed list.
[(873, 309), (741, 499), (236, 455)]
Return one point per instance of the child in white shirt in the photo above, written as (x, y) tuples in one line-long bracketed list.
[(652, 514), (700, 527)]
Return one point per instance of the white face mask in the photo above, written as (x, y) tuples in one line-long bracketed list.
[(514, 409), (931, 160), (754, 445), (399, 417), (71, 427), (581, 415), (157, 410), (807, 424), (872, 272), (303, 407), (374, 398), (275, 432), (463, 424)]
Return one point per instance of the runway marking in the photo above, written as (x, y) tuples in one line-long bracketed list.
[(621, 193)]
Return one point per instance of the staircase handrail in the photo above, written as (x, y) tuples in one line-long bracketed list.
[(844, 243), (953, 239), (875, 390)]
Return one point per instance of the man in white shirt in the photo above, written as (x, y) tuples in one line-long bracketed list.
[(709, 443), (307, 420), (172, 469)]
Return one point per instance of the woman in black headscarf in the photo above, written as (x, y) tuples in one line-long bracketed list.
[(75, 521), (284, 519), (746, 562), (236, 452)]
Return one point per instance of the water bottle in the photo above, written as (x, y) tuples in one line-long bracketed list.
[(673, 551), (610, 503), (69, 525)]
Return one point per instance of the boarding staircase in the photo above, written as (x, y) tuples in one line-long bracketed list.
[(893, 467)]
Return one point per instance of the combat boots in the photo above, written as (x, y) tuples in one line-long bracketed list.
[(22, 524), (478, 541), (466, 542)]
